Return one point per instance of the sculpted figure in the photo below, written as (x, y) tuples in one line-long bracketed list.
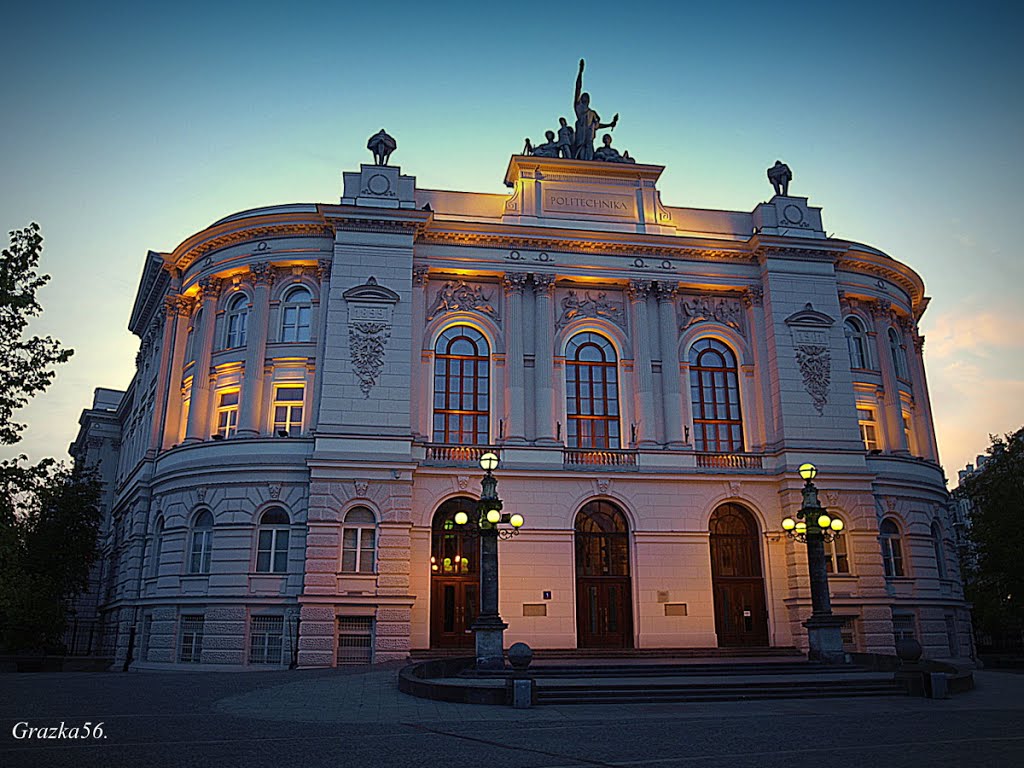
[(566, 137), (609, 154), (528, 147), (588, 122), (780, 176), (382, 146), (548, 148)]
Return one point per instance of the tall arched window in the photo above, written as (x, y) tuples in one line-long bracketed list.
[(359, 541), (602, 540), (715, 395), (592, 392), (937, 544), (837, 559), (856, 341), (892, 549), (272, 543), (453, 551), (296, 312), (462, 387), (237, 317), (202, 543), (899, 357), (158, 545)]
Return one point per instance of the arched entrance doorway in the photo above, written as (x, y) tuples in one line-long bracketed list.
[(454, 577), (741, 616), (604, 606)]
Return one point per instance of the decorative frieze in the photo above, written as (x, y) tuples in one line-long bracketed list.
[(599, 307), (698, 309), (460, 296)]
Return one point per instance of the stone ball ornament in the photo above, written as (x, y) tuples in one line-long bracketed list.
[(520, 655)]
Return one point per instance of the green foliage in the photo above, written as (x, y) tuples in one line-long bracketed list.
[(995, 578)]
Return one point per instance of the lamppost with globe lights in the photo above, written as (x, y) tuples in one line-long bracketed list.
[(489, 628), (815, 526)]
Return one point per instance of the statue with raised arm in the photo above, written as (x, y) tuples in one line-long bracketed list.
[(780, 176), (588, 122), (382, 145)]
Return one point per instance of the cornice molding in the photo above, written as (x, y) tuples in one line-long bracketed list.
[(187, 258)]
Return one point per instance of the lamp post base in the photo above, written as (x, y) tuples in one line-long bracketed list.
[(825, 640), (490, 644)]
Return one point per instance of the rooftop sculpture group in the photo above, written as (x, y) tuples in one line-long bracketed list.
[(578, 143)]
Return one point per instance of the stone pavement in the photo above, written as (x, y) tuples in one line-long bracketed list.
[(359, 718)]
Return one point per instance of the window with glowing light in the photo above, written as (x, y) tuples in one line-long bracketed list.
[(461, 387), (908, 433), (288, 409), (296, 314), (592, 392), (868, 428), (837, 559), (892, 548), (236, 320), (272, 541), (359, 542), (227, 413), (715, 396), (453, 550), (602, 540)]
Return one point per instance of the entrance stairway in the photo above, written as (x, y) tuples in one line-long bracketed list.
[(543, 654)]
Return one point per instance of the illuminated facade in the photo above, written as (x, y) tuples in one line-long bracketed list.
[(316, 382)]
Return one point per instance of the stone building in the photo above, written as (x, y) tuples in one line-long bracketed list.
[(316, 383)]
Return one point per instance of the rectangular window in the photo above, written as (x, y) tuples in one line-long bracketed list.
[(903, 626), (358, 552), (868, 428), (191, 640), (227, 413), (296, 323), (288, 410), (272, 551), (836, 558), (202, 540), (908, 432), (355, 640), (266, 639)]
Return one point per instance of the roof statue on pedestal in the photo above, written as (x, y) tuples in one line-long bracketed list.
[(780, 176), (382, 145)]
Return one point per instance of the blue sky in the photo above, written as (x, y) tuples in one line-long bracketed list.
[(127, 127)]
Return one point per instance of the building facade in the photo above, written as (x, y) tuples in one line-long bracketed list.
[(316, 382)]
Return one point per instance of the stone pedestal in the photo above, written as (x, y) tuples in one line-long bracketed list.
[(824, 639), (490, 638)]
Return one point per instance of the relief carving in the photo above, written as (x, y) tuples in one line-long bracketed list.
[(697, 309), (573, 307), (458, 295), (367, 342), (810, 329)]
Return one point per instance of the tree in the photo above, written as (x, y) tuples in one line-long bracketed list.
[(49, 515), (995, 579)]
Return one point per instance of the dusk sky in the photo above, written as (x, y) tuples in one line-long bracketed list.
[(128, 127)]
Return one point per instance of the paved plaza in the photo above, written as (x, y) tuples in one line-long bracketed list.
[(358, 717)]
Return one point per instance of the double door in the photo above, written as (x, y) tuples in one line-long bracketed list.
[(455, 603), (604, 613), (741, 617)]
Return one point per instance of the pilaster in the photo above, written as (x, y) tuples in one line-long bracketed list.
[(198, 428), (638, 291)]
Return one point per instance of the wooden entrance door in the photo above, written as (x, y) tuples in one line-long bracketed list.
[(454, 605), (741, 615), (604, 606), (603, 613)]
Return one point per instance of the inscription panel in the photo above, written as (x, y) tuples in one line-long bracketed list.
[(590, 203)]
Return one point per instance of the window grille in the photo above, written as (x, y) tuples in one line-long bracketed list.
[(848, 632), (191, 639), (355, 640), (903, 626), (266, 639)]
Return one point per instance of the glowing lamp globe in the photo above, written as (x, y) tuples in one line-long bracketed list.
[(461, 518), (836, 524), (808, 471), (488, 461), (788, 524), (801, 527), (824, 521), (516, 520), (493, 516)]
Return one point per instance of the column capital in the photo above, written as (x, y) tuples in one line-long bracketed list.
[(262, 273), (178, 305), (880, 309), (323, 270), (420, 274), (666, 291), (637, 290), (753, 296), (514, 282), (543, 284), (918, 342), (210, 288)]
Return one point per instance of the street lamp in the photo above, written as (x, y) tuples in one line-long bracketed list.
[(815, 526), (489, 628)]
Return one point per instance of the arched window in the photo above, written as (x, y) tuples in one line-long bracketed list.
[(837, 559), (602, 540), (892, 550), (856, 341), (359, 541), (202, 543), (158, 544), (937, 544), (592, 392), (899, 357), (238, 314), (272, 544), (453, 550), (296, 312), (462, 387), (190, 339), (714, 392)]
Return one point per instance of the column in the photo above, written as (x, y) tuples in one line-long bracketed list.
[(637, 291), (544, 357), (323, 274), (767, 432), (251, 406), (198, 428), (420, 430), (671, 392), (923, 425), (177, 310), (891, 410), (514, 283)]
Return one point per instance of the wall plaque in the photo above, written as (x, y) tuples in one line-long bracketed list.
[(590, 203)]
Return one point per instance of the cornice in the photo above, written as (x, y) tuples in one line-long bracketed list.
[(896, 273)]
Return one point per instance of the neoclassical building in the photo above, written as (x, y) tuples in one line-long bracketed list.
[(316, 383)]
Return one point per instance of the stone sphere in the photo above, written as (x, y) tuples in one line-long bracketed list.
[(520, 655), (908, 649)]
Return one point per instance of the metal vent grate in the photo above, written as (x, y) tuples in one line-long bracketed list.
[(266, 636), (355, 640)]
